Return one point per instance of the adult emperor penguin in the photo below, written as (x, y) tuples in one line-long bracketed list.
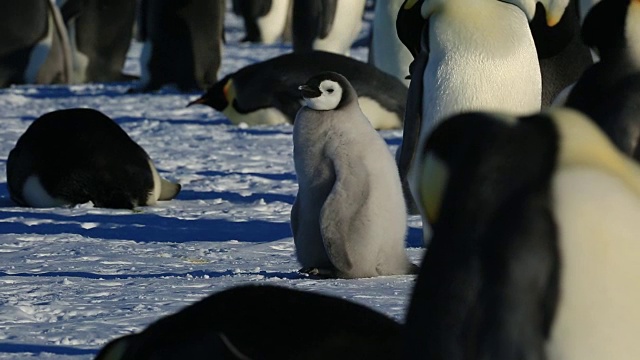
[(473, 62), (34, 47), (555, 27), (534, 248), (74, 156), (182, 43), (386, 51), (327, 25), (264, 20), (349, 218), (228, 325), (562, 53), (100, 33), (267, 92), (410, 25), (477, 63), (609, 91)]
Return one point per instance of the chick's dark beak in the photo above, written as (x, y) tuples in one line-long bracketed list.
[(309, 92)]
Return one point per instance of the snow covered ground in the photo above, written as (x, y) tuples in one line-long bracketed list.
[(72, 279)]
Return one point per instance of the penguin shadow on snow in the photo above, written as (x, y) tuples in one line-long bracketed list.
[(278, 177), (9, 348), (293, 275), (5, 199), (261, 132), (143, 227), (114, 90), (205, 121), (235, 197), (149, 227)]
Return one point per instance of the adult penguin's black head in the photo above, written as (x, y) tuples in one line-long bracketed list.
[(218, 96), (486, 287), (611, 26), (409, 25), (486, 158)]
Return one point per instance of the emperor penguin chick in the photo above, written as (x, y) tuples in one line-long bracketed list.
[(349, 217)]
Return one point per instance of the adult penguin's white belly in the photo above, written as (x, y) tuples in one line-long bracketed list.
[(482, 57), (347, 24), (597, 315)]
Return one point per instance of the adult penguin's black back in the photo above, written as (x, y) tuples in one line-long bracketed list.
[(609, 91), (73, 156), (487, 287), (264, 322)]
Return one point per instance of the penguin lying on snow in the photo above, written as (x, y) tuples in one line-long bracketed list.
[(267, 92), (74, 156), (535, 248), (609, 91), (348, 219), (288, 324)]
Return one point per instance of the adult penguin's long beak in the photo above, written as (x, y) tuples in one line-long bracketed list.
[(199, 101)]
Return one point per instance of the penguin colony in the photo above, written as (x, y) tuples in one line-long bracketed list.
[(519, 264)]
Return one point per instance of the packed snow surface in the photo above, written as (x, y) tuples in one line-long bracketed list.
[(74, 278)]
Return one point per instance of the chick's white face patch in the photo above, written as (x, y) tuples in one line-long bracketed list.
[(331, 93)]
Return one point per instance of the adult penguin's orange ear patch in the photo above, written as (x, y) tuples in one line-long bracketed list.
[(228, 92), (553, 20), (409, 4), (432, 184)]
